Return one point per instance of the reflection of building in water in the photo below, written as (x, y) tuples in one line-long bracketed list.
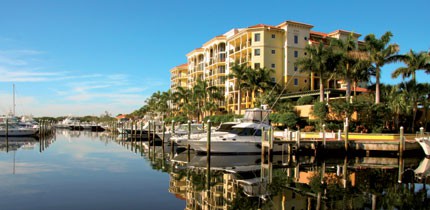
[(178, 184), (291, 183)]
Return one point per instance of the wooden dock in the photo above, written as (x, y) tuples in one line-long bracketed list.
[(330, 143)]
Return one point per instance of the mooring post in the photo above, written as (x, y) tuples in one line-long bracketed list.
[(7, 127), (153, 135), (269, 155), (208, 156), (188, 143), (401, 148), (263, 142), (208, 143), (164, 136), (172, 132), (149, 132), (324, 140), (401, 142), (345, 130), (421, 131)]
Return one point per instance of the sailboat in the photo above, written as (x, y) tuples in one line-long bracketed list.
[(9, 124)]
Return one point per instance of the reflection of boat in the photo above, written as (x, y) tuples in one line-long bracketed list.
[(424, 141), (229, 163), (14, 143), (423, 169)]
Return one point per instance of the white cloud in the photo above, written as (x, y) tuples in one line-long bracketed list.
[(77, 92)]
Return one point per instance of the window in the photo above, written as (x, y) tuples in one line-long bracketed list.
[(296, 54), (273, 36), (295, 68), (296, 82), (296, 39), (273, 51), (256, 65), (257, 52), (273, 79), (257, 37), (306, 38), (273, 65)]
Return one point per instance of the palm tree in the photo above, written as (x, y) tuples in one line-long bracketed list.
[(380, 53), (361, 70), (348, 54), (181, 97), (237, 71), (319, 61), (414, 61), (258, 80)]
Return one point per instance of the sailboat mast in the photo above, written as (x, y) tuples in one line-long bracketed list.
[(14, 100)]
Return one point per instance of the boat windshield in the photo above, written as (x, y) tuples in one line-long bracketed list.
[(225, 127), (246, 131), (194, 127)]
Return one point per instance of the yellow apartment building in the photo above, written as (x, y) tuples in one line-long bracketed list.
[(179, 77), (274, 47)]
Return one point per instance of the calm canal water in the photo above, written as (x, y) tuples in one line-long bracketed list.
[(84, 170)]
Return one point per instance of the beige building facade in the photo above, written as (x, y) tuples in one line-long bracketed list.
[(259, 46)]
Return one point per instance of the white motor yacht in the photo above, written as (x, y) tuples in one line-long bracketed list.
[(15, 130), (244, 137), (224, 128)]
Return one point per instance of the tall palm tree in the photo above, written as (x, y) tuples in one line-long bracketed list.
[(380, 53), (361, 70), (349, 56), (319, 61), (182, 97), (414, 61), (237, 72), (258, 80)]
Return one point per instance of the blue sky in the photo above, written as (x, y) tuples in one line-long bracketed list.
[(85, 57)]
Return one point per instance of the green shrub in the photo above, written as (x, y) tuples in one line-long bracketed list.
[(305, 100)]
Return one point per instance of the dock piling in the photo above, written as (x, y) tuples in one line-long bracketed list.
[(324, 140), (401, 142), (345, 130), (188, 143)]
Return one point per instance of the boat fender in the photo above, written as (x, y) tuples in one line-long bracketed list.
[(258, 145)]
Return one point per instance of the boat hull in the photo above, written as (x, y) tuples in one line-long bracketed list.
[(19, 132), (231, 147), (425, 144)]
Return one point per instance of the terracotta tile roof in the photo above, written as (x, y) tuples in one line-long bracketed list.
[(262, 26), (318, 33), (182, 65)]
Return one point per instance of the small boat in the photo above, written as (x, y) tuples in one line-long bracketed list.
[(424, 141)]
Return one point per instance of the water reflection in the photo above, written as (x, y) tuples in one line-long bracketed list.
[(117, 169), (295, 182)]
